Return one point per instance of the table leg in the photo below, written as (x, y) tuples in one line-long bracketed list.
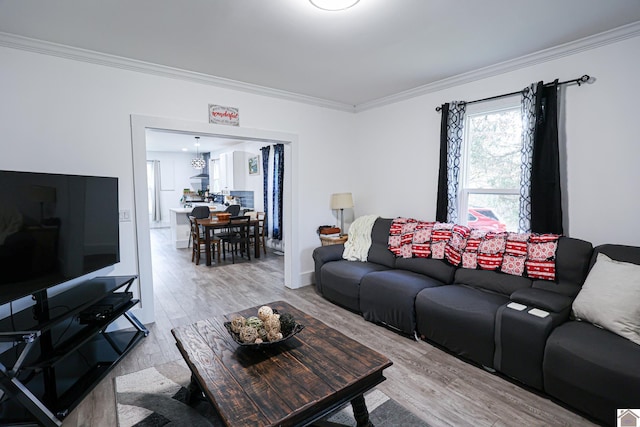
[(207, 241), (360, 412), (194, 392)]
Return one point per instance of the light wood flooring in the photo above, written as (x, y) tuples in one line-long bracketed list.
[(438, 387)]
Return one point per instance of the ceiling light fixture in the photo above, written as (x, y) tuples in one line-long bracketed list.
[(198, 162), (333, 5)]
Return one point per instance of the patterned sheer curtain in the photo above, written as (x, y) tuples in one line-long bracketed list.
[(528, 110), (540, 183), (451, 135), (278, 188), (265, 182)]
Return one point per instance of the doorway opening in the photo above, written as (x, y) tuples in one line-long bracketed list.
[(139, 127)]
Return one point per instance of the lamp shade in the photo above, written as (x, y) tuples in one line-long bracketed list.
[(341, 201)]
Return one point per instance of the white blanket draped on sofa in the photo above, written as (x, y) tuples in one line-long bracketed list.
[(356, 248)]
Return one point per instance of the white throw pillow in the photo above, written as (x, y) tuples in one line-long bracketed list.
[(610, 297)]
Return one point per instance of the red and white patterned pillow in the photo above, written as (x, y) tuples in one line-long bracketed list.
[(512, 264), (455, 246), (394, 243), (470, 254), (470, 260), (395, 235), (491, 251), (541, 251), (421, 245), (515, 253), (517, 243), (440, 236), (542, 246), (422, 233), (401, 236), (493, 243)]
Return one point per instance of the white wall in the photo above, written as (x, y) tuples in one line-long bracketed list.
[(62, 115), (252, 182), (397, 145)]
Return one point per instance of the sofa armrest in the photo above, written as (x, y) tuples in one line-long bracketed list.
[(545, 300), (323, 255), (521, 333)]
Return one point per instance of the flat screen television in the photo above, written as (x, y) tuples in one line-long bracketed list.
[(54, 228)]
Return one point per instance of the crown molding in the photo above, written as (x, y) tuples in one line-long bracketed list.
[(556, 52), (84, 55), (93, 57)]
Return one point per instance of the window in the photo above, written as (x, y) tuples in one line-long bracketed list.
[(490, 168)]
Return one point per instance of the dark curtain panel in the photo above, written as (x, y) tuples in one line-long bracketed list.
[(546, 198), (265, 182), (452, 132), (442, 203), (278, 188)]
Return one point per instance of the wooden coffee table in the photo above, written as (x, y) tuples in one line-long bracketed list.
[(295, 383)]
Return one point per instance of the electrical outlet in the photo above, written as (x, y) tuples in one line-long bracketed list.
[(125, 215)]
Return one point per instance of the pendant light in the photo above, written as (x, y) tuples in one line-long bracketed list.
[(198, 162)]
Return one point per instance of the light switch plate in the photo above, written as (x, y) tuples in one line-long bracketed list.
[(125, 215)]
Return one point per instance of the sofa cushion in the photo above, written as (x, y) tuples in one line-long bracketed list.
[(539, 298), (389, 297), (341, 281), (572, 264), (435, 268), (491, 280), (460, 318), (610, 297), (379, 252), (592, 370)]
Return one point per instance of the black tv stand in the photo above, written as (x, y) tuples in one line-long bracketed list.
[(58, 349)]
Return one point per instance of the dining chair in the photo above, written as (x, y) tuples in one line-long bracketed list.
[(198, 212), (234, 210), (237, 236), (261, 217), (200, 242), (196, 237), (201, 212)]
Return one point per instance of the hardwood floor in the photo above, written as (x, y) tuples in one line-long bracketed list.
[(438, 387)]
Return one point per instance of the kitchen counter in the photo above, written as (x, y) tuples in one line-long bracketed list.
[(180, 227), (179, 222)]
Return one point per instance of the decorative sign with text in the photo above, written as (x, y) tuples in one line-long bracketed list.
[(222, 115)]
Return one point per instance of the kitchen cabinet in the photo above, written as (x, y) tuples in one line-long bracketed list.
[(233, 171)]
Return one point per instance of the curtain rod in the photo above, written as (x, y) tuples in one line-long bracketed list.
[(579, 81)]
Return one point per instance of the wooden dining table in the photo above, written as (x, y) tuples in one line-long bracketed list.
[(211, 224)]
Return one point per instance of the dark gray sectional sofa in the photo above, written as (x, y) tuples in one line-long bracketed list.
[(469, 312)]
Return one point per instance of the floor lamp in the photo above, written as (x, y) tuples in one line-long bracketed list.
[(341, 201)]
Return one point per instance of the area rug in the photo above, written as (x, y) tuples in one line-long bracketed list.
[(155, 397)]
